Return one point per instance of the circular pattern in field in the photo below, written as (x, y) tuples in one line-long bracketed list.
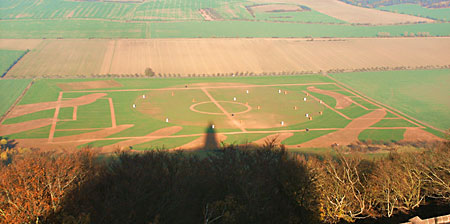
[(230, 106), (209, 107)]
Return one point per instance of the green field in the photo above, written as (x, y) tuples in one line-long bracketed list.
[(269, 107), (7, 58), (182, 19), (382, 135), (10, 90), (417, 10), (422, 94)]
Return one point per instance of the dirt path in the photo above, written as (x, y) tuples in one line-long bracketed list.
[(328, 106), (70, 142), (7, 129), (348, 134), (342, 101), (113, 114), (278, 137), (161, 133), (31, 108), (200, 142), (55, 118), (418, 134), (235, 122)]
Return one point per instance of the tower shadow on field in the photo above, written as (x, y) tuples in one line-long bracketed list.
[(211, 142)]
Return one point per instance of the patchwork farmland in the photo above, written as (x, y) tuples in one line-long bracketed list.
[(300, 111)]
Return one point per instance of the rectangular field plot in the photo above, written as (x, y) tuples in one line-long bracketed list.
[(421, 94), (225, 56), (10, 90), (154, 113)]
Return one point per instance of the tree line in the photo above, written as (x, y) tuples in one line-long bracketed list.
[(235, 184)]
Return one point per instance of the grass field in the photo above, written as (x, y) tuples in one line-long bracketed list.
[(417, 10), (7, 58), (210, 29), (10, 90), (423, 96), (273, 105)]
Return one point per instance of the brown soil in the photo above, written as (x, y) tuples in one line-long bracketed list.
[(228, 55), (418, 134), (70, 142), (161, 133), (199, 143), (351, 13), (7, 129), (31, 108), (342, 101), (19, 44), (277, 137), (205, 15), (104, 84), (347, 135)]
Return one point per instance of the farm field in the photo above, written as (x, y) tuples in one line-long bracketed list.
[(10, 90), (7, 58), (300, 111), (211, 56), (354, 14), (423, 96), (417, 10), (30, 29)]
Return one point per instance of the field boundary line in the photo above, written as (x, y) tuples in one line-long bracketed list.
[(3, 117), (113, 114), (55, 118), (318, 100), (204, 87), (223, 110), (394, 111)]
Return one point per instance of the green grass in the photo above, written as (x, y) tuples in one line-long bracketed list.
[(35, 133), (365, 103), (195, 29), (165, 143), (267, 29), (65, 113), (422, 94), (302, 137), (243, 138), (382, 135), (417, 10), (10, 90), (70, 133), (100, 143), (354, 111), (145, 119), (311, 16), (30, 117), (94, 115), (7, 58), (394, 123)]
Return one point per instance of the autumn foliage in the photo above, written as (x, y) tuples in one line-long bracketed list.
[(235, 184)]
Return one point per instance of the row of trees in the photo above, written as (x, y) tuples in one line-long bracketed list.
[(236, 184)]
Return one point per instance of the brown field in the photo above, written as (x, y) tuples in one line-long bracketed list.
[(19, 44), (353, 14), (62, 57), (212, 56)]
